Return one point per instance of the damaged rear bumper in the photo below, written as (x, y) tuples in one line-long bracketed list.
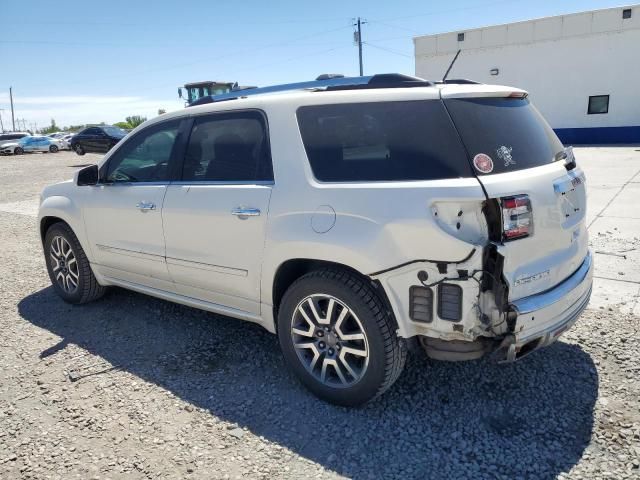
[(543, 317)]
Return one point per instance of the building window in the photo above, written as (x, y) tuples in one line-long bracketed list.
[(461, 37), (626, 13), (598, 104)]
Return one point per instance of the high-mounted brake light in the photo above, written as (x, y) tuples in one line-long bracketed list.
[(517, 217)]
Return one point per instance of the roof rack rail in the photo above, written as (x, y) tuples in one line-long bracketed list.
[(458, 81), (385, 80)]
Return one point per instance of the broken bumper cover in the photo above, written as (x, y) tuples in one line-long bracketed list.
[(543, 317)]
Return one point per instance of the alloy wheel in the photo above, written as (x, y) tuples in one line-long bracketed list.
[(64, 264), (330, 341)]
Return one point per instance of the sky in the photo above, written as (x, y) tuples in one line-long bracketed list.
[(84, 62)]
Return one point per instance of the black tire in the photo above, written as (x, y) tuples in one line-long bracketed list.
[(18, 151), (53, 149), (386, 352), (78, 149), (88, 289)]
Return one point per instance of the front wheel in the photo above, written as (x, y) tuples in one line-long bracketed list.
[(18, 151), (78, 149), (338, 337), (68, 266), (53, 149)]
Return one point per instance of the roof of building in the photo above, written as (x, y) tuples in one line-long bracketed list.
[(530, 31)]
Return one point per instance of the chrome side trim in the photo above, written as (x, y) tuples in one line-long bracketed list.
[(131, 253), (196, 183), (555, 294), (207, 267), (184, 300)]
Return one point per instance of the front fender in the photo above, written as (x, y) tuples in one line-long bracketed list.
[(68, 211)]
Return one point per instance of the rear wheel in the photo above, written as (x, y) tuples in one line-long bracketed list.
[(68, 266), (18, 151), (53, 149), (338, 338), (78, 149)]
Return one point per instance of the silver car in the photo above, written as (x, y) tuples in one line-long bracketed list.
[(31, 144)]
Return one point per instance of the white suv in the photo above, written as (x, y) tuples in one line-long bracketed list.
[(351, 216)]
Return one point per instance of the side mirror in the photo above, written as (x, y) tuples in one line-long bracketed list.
[(87, 176), (179, 93)]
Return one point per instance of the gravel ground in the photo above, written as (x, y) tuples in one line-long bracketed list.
[(134, 387)]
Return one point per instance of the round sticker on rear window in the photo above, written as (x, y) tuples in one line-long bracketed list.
[(483, 163)]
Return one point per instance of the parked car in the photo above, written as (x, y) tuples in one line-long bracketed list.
[(97, 139), (10, 137), (31, 144), (349, 217), (66, 141), (57, 135)]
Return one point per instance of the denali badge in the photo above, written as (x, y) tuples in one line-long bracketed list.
[(483, 163), (531, 278), (504, 153)]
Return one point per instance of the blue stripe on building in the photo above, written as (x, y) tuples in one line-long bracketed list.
[(599, 135)]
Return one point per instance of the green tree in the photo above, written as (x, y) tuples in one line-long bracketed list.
[(122, 125), (53, 128), (135, 120)]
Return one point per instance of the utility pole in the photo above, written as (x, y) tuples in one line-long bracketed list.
[(357, 37), (13, 122)]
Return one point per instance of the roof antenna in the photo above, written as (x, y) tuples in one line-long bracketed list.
[(451, 66)]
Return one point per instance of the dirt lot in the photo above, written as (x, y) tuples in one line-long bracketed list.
[(134, 387)]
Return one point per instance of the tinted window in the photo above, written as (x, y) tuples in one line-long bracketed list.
[(509, 130), (229, 147), (598, 104), (382, 141), (12, 136), (114, 131), (144, 157)]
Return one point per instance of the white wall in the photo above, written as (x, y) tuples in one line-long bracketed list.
[(560, 61)]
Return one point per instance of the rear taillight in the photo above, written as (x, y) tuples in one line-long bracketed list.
[(517, 217)]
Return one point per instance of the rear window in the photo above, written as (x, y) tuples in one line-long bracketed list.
[(382, 141), (509, 130)]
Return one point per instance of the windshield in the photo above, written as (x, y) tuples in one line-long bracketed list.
[(114, 131), (510, 131)]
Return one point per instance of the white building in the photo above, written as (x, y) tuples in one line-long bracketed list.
[(581, 70)]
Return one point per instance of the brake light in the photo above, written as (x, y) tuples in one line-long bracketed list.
[(517, 217)]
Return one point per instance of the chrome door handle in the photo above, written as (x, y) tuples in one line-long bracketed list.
[(146, 206), (245, 212)]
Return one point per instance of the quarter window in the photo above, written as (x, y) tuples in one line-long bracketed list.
[(598, 104), (382, 141), (145, 157), (230, 147)]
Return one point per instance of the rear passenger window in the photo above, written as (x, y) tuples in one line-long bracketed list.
[(382, 141), (228, 147)]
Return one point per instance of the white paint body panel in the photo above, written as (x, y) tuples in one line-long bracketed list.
[(389, 231)]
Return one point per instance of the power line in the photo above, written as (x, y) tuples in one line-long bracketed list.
[(395, 52), (204, 23), (129, 75)]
